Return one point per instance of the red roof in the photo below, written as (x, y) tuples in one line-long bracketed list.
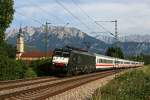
[(36, 54)]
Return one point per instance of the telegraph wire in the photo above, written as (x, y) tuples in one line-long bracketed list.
[(59, 3)]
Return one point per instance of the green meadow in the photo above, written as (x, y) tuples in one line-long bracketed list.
[(132, 85)]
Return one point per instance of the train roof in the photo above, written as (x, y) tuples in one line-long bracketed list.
[(108, 57), (76, 50), (103, 56), (82, 52)]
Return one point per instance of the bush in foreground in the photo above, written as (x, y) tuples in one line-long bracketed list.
[(133, 85), (30, 73), (41, 67), (10, 69)]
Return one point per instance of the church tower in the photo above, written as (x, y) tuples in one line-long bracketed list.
[(19, 44)]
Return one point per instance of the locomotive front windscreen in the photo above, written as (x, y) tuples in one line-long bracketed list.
[(65, 54), (62, 53), (58, 53)]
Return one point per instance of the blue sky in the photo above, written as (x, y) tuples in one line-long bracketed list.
[(133, 15)]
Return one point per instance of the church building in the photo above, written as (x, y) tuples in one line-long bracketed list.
[(30, 55)]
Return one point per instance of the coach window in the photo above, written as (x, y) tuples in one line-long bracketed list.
[(117, 62), (103, 61), (107, 61), (57, 53), (110, 61), (98, 60)]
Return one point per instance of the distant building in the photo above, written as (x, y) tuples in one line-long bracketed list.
[(28, 56), (19, 44)]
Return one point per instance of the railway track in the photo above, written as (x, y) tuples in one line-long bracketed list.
[(20, 80), (44, 89), (21, 83)]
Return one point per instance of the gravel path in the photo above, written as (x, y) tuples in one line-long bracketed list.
[(83, 92)]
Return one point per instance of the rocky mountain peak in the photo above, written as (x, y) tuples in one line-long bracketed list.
[(58, 36), (58, 31)]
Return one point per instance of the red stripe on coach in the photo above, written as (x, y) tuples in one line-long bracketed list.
[(104, 64)]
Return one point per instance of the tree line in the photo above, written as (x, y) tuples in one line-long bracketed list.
[(117, 52), (10, 69)]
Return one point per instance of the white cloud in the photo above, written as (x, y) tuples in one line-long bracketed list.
[(133, 17)]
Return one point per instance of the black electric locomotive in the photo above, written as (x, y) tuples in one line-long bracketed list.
[(73, 61)]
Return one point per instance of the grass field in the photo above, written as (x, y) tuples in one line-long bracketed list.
[(133, 85)]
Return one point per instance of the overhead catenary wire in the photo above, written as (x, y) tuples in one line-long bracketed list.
[(58, 2), (30, 18), (101, 26), (66, 9), (45, 11)]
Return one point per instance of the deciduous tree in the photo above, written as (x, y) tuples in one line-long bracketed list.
[(6, 16), (115, 52)]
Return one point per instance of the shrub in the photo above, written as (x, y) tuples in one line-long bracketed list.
[(29, 73), (10, 69), (42, 67)]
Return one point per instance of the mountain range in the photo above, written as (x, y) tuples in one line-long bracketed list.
[(127, 38), (58, 36)]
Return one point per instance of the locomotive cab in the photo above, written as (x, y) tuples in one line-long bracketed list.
[(60, 58)]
